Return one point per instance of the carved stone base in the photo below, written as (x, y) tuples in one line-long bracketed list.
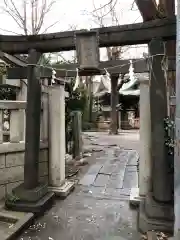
[(158, 210), (64, 190), (153, 222), (37, 207), (30, 195), (34, 200)]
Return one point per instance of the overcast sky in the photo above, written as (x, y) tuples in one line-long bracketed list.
[(77, 13)]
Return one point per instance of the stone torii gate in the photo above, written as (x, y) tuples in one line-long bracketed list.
[(140, 66), (35, 45)]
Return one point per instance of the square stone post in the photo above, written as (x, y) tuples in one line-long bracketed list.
[(77, 134), (114, 103), (145, 167), (32, 196), (156, 211), (57, 144), (145, 181)]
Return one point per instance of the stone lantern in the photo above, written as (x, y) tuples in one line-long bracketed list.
[(87, 50)]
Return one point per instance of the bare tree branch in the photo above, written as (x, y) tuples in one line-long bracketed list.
[(25, 18), (102, 7), (23, 10), (50, 26), (8, 31), (99, 14), (134, 6), (113, 53)]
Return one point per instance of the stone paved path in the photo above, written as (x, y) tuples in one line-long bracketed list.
[(98, 209)]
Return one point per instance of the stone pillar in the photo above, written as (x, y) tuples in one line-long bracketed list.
[(33, 114), (156, 211), (90, 99), (77, 134), (145, 184), (114, 103), (158, 107), (32, 196), (177, 163), (145, 168), (57, 144), (177, 135)]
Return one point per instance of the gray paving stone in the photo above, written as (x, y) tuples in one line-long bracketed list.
[(115, 160), (116, 181), (125, 191), (108, 169), (101, 180), (120, 168), (96, 190), (90, 212), (87, 180), (94, 169), (133, 158), (111, 195), (123, 157), (130, 180), (118, 193)]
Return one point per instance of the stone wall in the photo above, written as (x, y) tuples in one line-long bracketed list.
[(12, 166), (12, 152)]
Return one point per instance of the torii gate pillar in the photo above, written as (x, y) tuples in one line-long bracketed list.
[(114, 103), (156, 210)]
